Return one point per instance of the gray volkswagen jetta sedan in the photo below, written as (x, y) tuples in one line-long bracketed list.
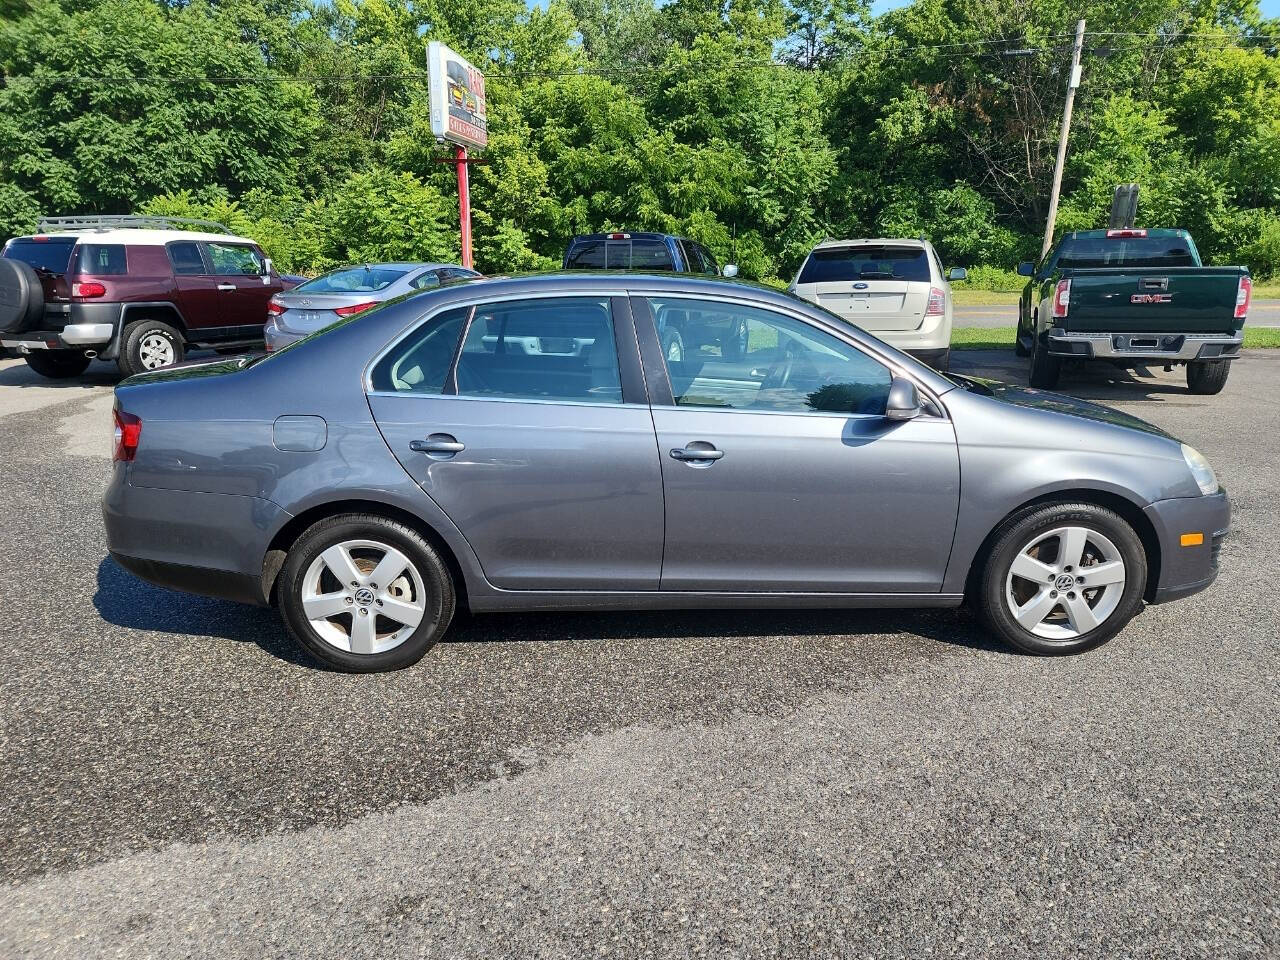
[(525, 444)]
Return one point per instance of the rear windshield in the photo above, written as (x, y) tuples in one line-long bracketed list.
[(619, 255), (101, 260), (353, 280), (866, 263), (51, 254), (1087, 252)]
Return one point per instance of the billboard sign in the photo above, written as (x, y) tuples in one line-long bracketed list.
[(457, 98)]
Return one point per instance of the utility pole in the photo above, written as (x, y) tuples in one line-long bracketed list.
[(1062, 139)]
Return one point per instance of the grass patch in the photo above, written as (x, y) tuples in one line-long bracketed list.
[(1001, 338), (964, 297), (1267, 291)]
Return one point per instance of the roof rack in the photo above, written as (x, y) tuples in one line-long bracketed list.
[(128, 222)]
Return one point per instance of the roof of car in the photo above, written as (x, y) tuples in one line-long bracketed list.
[(630, 235), (140, 238), (873, 241)]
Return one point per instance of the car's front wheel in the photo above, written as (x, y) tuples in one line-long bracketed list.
[(365, 594), (1063, 578)]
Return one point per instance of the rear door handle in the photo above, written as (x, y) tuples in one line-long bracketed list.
[(437, 443), (695, 454), (226, 286)]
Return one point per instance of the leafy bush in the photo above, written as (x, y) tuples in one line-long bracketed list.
[(992, 278)]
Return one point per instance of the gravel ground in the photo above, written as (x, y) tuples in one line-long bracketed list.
[(180, 782)]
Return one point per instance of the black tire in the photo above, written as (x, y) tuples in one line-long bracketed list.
[(944, 362), (734, 346), (1019, 348), (1045, 370), (673, 345), (58, 364), (1022, 529), (135, 355), (438, 595), (1207, 377)]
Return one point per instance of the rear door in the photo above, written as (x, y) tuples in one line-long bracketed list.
[(876, 286), (534, 436), (198, 296)]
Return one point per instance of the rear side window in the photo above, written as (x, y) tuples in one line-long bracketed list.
[(620, 255), (420, 362), (552, 349), (866, 263), (186, 259), (50, 254), (101, 260), (1090, 252), (353, 280)]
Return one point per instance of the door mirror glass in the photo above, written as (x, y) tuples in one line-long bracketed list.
[(904, 400), (957, 273), (1026, 268), (730, 270)]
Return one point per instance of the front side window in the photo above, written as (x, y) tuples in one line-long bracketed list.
[(235, 260), (554, 349), (420, 362), (782, 364), (866, 262)]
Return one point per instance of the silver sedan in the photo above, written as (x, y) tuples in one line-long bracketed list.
[(347, 291)]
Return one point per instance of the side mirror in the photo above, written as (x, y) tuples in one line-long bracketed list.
[(730, 270), (903, 402), (1026, 268), (957, 273), (267, 266)]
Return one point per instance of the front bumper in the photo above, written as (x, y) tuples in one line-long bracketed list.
[(1190, 568), (1162, 347)]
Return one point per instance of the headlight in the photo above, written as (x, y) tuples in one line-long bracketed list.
[(1205, 478)]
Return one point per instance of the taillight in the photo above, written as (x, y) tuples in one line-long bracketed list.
[(1126, 233), (1244, 294), (127, 434), (937, 303), (275, 307), (89, 288), (355, 308), (1061, 298)]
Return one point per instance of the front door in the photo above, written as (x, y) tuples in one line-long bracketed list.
[(244, 284), (536, 440), (781, 472)]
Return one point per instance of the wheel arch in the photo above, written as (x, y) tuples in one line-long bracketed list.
[(1128, 510), (284, 538)]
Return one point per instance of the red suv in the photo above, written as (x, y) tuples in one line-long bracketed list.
[(137, 290)]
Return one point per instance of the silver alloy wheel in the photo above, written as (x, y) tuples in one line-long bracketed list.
[(1065, 583), (155, 350), (363, 596)]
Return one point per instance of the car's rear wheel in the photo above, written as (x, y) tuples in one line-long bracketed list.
[(148, 345), (58, 364), (365, 594), (673, 345), (1046, 370), (1207, 377), (1063, 578)]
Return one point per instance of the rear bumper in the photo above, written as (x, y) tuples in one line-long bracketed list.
[(69, 326), (1165, 347), (1185, 570), (206, 543)]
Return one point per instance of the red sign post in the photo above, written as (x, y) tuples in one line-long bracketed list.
[(461, 163), (458, 116)]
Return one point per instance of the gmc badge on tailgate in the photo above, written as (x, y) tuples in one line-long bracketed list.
[(1151, 298)]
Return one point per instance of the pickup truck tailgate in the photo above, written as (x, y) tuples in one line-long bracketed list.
[(1167, 300)]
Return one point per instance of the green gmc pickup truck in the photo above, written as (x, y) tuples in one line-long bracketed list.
[(1133, 297)]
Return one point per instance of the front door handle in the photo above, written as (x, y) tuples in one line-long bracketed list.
[(696, 454), (437, 443), (226, 286)]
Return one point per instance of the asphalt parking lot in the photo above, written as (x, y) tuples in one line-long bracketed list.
[(179, 781)]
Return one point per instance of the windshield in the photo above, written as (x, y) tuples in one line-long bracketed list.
[(50, 254), (1092, 252), (353, 280), (866, 263)]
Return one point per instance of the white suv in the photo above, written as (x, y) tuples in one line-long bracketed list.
[(895, 289)]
